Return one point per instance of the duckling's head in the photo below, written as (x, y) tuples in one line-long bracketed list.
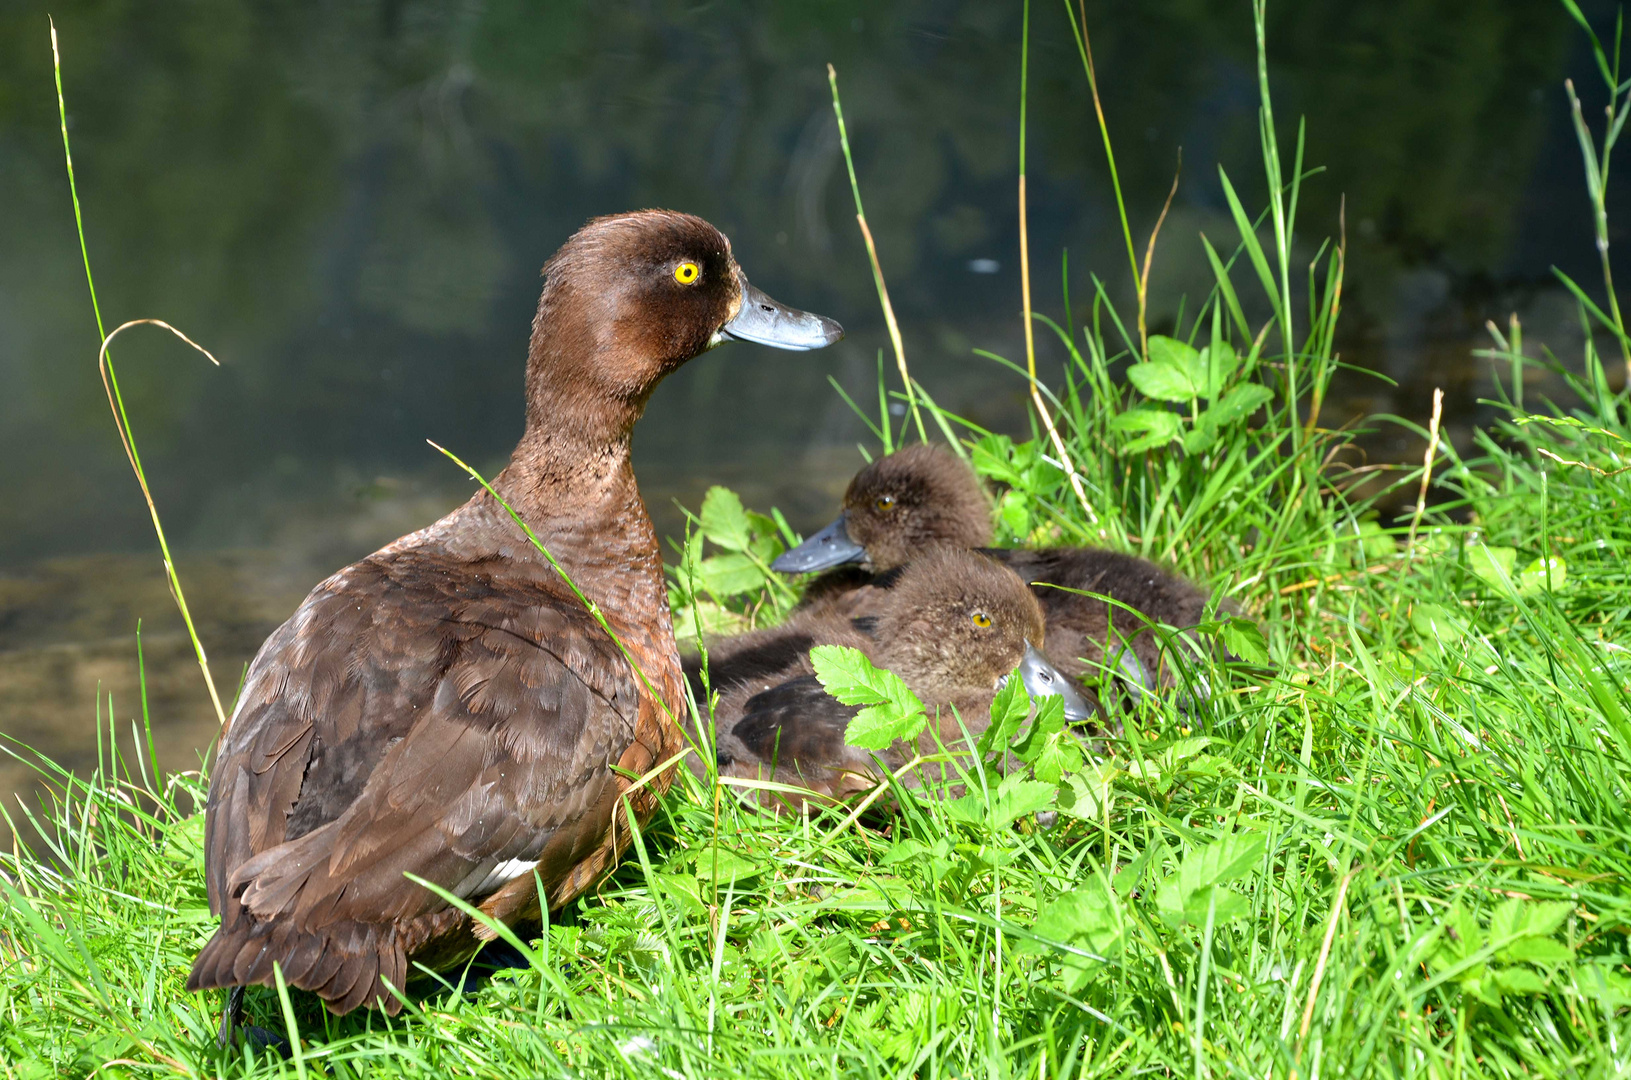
[(957, 621), (629, 298), (896, 507)]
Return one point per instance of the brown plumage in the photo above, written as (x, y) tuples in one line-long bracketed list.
[(925, 494), (447, 707), (953, 625)]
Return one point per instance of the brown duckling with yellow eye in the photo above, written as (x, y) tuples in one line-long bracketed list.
[(448, 707), (954, 627), (924, 494)]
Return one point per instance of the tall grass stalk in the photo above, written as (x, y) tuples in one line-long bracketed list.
[(877, 267), (116, 402)]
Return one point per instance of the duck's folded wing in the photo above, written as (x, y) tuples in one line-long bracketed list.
[(371, 743)]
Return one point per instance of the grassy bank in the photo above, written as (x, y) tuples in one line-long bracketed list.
[(1404, 853)]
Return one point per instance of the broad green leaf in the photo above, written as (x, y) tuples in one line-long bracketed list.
[(1087, 793), (1534, 577), (1200, 438), (1014, 798), (730, 865), (1244, 639), (1162, 427), (993, 457), (1214, 367), (1178, 907), (1087, 918), (1373, 542), (1015, 513), (892, 711), (1058, 754), (1163, 381), (1186, 895), (1237, 405), (1520, 981), (1222, 861), (1492, 564), (730, 575), (1438, 624), (724, 521), (1049, 719), (1008, 711), (1604, 984)]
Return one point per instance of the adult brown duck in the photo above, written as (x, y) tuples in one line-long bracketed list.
[(954, 627), (924, 494), (448, 707)]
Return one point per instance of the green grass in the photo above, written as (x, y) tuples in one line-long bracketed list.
[(1407, 853)]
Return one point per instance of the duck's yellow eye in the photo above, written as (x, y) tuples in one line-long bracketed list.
[(884, 503), (981, 619), (686, 273)]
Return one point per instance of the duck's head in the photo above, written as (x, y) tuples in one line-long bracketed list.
[(894, 508), (630, 297), (957, 622)]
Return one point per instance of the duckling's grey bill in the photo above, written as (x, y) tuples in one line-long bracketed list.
[(1042, 679), (828, 548), (770, 322)]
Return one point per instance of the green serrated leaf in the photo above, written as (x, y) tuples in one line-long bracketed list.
[(1087, 918), (1200, 439), (1016, 797), (1238, 404), (1086, 794), (1162, 427), (993, 457), (1059, 754), (721, 865), (1373, 542), (1049, 719), (1008, 711), (1519, 981), (892, 711), (1014, 511), (1163, 380), (730, 575), (1245, 639), (724, 522)]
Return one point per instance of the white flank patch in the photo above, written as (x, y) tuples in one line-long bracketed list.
[(494, 879)]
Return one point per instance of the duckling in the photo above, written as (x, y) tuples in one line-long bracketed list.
[(954, 627), (924, 493), (449, 707)]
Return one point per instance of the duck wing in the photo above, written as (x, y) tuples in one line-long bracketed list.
[(414, 717)]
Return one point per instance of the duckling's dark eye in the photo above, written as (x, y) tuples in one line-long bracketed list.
[(884, 503), (980, 619), (686, 273)]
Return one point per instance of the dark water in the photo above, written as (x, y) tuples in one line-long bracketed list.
[(349, 204)]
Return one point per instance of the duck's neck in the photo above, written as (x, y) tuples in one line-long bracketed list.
[(580, 499)]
